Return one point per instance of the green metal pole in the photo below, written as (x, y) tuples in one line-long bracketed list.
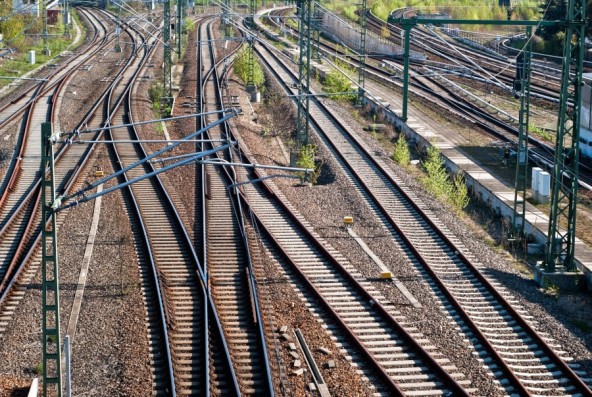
[(560, 249), (43, 11), (168, 61), (303, 118), (408, 23), (226, 18), (407, 29), (520, 184), (315, 31), (180, 23), (250, 56), (66, 17), (52, 360), (362, 52)]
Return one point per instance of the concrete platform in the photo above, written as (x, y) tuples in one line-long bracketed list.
[(563, 281), (499, 196), (496, 194)]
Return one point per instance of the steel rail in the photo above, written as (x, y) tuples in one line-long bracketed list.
[(22, 243), (532, 333), (16, 263), (124, 103), (214, 75), (207, 60)]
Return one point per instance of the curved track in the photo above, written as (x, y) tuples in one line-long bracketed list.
[(227, 257), (518, 356)]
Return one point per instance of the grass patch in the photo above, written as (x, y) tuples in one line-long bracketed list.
[(19, 65)]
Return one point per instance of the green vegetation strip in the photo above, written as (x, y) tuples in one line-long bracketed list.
[(29, 40)]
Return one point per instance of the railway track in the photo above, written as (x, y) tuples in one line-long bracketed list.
[(227, 256), (433, 89), (21, 229), (395, 357), (188, 327), (518, 357), (21, 197), (55, 76)]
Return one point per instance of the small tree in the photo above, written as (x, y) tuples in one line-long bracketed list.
[(402, 155), (437, 177), (155, 92), (336, 82), (460, 199), (306, 159), (241, 68)]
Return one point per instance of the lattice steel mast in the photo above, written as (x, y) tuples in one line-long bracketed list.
[(66, 17), (560, 247), (362, 53), (50, 292), (43, 11), (167, 69), (180, 24), (315, 29), (303, 118), (523, 65), (250, 57)]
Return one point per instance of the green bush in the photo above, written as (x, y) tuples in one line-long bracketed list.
[(306, 159), (460, 197), (155, 92), (336, 82), (436, 180), (439, 184), (459, 9), (402, 155), (241, 68), (189, 25), (350, 13)]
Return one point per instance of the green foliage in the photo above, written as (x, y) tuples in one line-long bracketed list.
[(155, 92), (552, 46), (381, 10), (241, 68), (337, 82), (401, 154), (551, 10), (189, 25), (306, 159), (25, 40), (460, 9), (437, 178), (438, 183), (546, 135), (12, 27), (38, 369), (350, 13), (460, 196), (552, 290)]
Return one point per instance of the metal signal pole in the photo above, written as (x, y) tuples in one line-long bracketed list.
[(561, 237), (50, 292), (523, 76), (303, 118)]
